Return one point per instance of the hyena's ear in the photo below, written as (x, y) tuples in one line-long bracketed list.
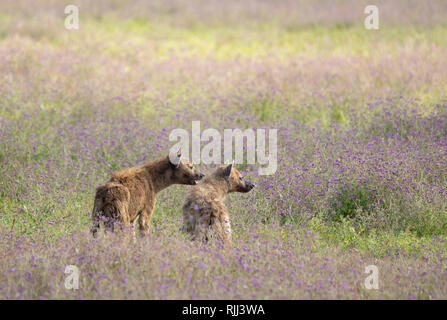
[(227, 170), (175, 158)]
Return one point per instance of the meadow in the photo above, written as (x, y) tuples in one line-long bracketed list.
[(362, 146)]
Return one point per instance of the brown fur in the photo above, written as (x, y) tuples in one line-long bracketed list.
[(131, 193), (205, 214)]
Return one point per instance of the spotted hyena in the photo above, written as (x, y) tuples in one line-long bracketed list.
[(204, 213), (131, 193)]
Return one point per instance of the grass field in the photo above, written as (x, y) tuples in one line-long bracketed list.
[(362, 146)]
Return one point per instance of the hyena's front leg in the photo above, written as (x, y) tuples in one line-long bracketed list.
[(144, 220), (95, 219), (226, 236)]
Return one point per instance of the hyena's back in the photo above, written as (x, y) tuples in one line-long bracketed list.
[(111, 205), (205, 219)]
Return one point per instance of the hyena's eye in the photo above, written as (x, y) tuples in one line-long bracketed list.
[(240, 178), (190, 167)]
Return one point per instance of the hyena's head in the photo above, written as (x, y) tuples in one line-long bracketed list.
[(184, 171), (234, 178)]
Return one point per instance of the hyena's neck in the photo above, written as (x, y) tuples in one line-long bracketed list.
[(159, 174), (220, 188)]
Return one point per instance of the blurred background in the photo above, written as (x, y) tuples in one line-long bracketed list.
[(362, 142)]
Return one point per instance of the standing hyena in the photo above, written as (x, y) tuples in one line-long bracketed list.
[(204, 212), (131, 193)]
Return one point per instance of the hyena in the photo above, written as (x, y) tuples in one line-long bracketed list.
[(205, 214), (131, 193)]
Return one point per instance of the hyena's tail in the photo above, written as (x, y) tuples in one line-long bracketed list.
[(111, 205)]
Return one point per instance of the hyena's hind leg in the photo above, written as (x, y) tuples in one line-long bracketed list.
[(202, 228), (111, 205), (144, 220), (97, 211)]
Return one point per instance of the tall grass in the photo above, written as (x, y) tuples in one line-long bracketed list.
[(361, 118)]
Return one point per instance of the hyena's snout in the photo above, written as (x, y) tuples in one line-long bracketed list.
[(249, 185), (199, 176), (194, 179), (246, 186)]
